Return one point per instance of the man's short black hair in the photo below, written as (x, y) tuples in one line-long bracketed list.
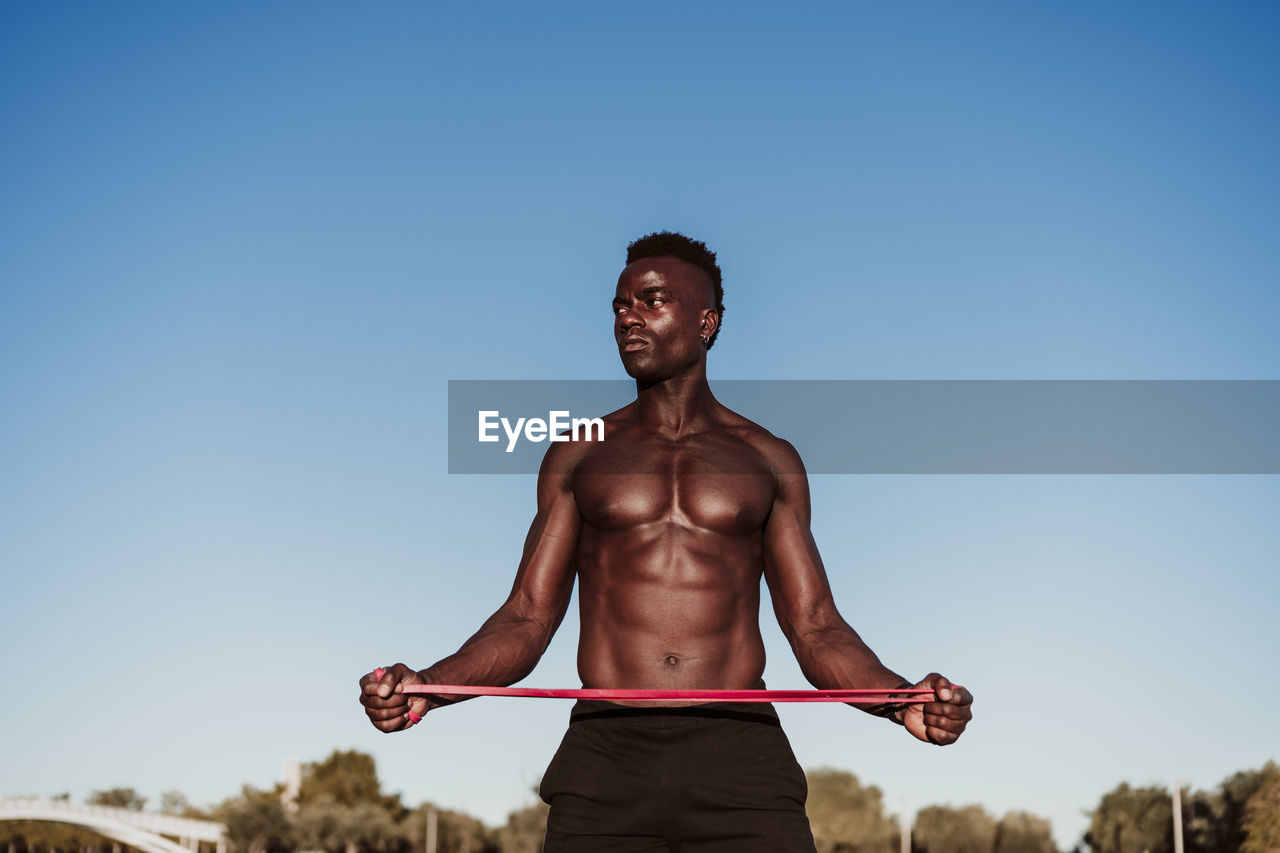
[(670, 244)]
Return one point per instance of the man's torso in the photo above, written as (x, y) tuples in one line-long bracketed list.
[(670, 554)]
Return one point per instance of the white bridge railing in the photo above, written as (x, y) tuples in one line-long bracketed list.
[(144, 831)]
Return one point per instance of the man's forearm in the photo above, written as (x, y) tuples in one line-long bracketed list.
[(836, 657), (505, 649)]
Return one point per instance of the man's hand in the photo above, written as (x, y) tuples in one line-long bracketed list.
[(943, 720), (381, 694)]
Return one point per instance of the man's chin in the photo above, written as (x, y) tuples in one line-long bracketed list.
[(638, 373), (650, 371), (636, 367)]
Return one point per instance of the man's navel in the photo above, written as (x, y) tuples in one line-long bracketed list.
[(671, 660)]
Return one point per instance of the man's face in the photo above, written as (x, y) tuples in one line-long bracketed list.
[(660, 311)]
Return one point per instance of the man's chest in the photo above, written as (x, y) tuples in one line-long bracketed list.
[(712, 486)]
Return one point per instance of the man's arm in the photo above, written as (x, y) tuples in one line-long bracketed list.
[(512, 640), (830, 653)]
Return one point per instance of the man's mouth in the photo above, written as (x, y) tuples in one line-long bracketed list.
[(632, 343)]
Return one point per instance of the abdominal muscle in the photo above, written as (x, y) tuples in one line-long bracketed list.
[(651, 622)]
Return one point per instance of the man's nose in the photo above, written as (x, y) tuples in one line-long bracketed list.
[(629, 321)]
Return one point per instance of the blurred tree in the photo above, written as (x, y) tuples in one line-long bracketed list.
[(176, 803), (1230, 804), (943, 829), (367, 828), (1132, 820), (1022, 832), (846, 817), (524, 830), (121, 798), (323, 824), (317, 826), (347, 778), (1261, 822), (256, 822), (455, 832)]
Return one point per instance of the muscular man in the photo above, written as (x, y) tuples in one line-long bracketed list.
[(668, 526)]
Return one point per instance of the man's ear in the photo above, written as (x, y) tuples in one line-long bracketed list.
[(710, 322)]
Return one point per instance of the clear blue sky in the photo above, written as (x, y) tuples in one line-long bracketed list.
[(243, 247)]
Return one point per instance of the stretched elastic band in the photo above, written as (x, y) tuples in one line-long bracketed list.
[(871, 697)]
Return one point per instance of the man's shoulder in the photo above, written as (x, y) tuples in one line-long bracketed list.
[(565, 455), (779, 454)]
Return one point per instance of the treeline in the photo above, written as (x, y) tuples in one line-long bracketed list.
[(340, 808), (1242, 815), (847, 817)]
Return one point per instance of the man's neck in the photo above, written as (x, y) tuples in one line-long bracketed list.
[(676, 405)]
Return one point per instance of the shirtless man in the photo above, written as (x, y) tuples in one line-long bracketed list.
[(668, 526)]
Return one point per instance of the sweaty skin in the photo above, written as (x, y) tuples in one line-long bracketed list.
[(668, 526)]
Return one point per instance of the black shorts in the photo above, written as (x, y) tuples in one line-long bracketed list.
[(717, 778)]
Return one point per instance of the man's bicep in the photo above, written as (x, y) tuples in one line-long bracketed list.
[(793, 567), (544, 580)]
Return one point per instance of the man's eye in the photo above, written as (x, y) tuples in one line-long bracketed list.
[(655, 301)]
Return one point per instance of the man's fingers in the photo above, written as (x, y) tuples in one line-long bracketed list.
[(396, 712), (936, 713), (393, 725), (944, 729), (945, 691), (370, 682), (390, 680), (947, 721), (940, 685), (374, 700), (953, 710), (942, 737), (959, 708)]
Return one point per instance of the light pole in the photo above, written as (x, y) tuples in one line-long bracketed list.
[(1177, 817), (431, 831)]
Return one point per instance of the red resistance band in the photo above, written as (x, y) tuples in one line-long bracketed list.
[(904, 696)]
